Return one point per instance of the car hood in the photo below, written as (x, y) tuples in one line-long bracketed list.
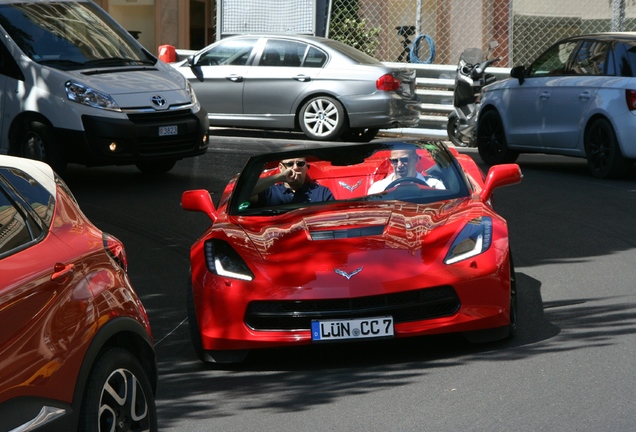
[(348, 229), (117, 81)]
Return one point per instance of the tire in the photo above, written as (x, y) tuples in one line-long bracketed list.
[(514, 307), (118, 395), (491, 140), (322, 118), (451, 130), (37, 141), (604, 157), (504, 332), (207, 356), (156, 167), (193, 325)]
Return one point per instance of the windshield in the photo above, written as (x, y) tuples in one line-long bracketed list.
[(70, 35), (376, 173)]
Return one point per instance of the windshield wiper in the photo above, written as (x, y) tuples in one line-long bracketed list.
[(115, 61)]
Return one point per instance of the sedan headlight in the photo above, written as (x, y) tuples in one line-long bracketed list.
[(80, 93), (222, 260), (475, 238)]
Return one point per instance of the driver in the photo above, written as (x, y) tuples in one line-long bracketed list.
[(404, 163)]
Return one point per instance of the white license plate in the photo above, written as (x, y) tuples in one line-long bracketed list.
[(168, 130), (352, 328)]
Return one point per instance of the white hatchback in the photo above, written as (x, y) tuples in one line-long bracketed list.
[(578, 98)]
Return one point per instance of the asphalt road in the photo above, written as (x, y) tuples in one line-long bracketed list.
[(571, 368)]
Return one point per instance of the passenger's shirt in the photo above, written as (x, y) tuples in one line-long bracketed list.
[(280, 193)]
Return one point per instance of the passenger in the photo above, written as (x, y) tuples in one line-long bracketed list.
[(292, 185), (404, 163)]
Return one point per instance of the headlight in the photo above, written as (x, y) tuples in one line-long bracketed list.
[(193, 96), (222, 260), (475, 238), (87, 96)]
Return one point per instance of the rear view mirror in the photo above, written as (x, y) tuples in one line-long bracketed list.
[(498, 176), (199, 200)]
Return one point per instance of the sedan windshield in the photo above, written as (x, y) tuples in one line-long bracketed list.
[(70, 35)]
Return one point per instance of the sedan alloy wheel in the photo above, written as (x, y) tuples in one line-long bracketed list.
[(322, 118)]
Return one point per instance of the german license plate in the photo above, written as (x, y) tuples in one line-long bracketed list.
[(326, 330), (168, 130)]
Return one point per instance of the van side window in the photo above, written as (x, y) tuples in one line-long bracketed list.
[(8, 66)]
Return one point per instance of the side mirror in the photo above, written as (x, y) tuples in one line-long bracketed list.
[(199, 200), (518, 72), (190, 61), (498, 176)]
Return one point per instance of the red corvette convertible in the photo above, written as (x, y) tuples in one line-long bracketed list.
[(321, 243)]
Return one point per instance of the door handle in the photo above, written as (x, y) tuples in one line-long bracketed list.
[(545, 95), (302, 78), (61, 271), (585, 95), (235, 78)]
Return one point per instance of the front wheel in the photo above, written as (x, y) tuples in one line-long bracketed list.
[(491, 140), (156, 167), (118, 395), (37, 141), (453, 132), (322, 118), (604, 157)]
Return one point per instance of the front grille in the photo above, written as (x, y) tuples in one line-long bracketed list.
[(403, 307), (149, 143)]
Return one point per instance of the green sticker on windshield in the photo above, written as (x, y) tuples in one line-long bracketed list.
[(244, 205)]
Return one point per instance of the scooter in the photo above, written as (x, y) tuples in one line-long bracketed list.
[(470, 79)]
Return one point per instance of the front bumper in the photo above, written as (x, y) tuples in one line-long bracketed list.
[(230, 319), (136, 139)]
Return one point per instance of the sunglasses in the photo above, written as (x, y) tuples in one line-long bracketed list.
[(395, 161), (299, 164)]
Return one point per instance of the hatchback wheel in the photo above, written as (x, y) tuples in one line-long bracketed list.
[(118, 395), (604, 157), (491, 140), (322, 118)]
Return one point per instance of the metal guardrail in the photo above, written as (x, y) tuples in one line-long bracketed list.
[(435, 85)]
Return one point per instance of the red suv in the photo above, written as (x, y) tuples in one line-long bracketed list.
[(76, 351)]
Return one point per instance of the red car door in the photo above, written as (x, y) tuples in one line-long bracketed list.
[(44, 302)]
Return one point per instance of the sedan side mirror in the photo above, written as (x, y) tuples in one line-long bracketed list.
[(199, 200), (498, 176), (519, 72)]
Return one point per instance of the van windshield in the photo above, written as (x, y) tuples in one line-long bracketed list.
[(71, 35)]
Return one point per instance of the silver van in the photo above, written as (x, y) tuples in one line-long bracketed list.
[(76, 87)]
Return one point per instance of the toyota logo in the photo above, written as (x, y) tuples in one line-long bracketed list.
[(158, 100)]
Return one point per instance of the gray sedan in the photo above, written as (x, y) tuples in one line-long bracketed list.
[(324, 88)]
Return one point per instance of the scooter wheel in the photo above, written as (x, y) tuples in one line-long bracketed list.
[(453, 133)]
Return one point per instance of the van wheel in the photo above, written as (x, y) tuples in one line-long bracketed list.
[(118, 395), (158, 167), (37, 142)]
